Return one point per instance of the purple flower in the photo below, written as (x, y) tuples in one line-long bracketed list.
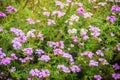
[(39, 51), (116, 66), (50, 22), (64, 68), (111, 18), (2, 55), (2, 14), (95, 32), (31, 33), (1, 29), (44, 73), (11, 9), (58, 51), (118, 46), (97, 77), (89, 54), (14, 56), (23, 60), (30, 21), (30, 79), (75, 68), (34, 72), (60, 4), (115, 8), (28, 51), (104, 61), (22, 39), (40, 36), (40, 74), (116, 76), (45, 58), (80, 10), (6, 61), (93, 63), (99, 52), (13, 69), (17, 45), (75, 39), (16, 31), (69, 56)]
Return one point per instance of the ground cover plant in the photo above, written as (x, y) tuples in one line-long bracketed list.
[(59, 40)]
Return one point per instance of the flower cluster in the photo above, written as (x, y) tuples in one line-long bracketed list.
[(11, 9), (40, 73), (95, 32), (2, 14), (73, 18), (45, 58)]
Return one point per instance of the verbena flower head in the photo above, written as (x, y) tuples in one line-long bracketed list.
[(30, 21), (31, 33), (116, 76), (58, 51), (28, 51), (64, 68), (60, 4), (6, 61), (80, 10), (89, 54), (2, 14), (115, 8), (13, 69), (116, 66), (99, 52), (17, 45), (46, 14), (39, 51), (104, 61), (95, 31), (87, 15), (1, 29), (111, 18), (50, 22), (93, 63), (75, 68), (11, 9), (97, 77), (45, 58), (118, 46), (17, 31), (14, 57)]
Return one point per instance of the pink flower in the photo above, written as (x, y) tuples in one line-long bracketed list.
[(46, 14), (116, 76), (30, 21), (97, 77), (2, 14), (60, 4), (111, 18), (80, 10), (64, 68), (75, 68), (11, 9), (5, 61), (45, 58), (28, 51), (89, 54), (93, 63), (116, 66), (50, 22), (118, 46), (1, 29), (58, 51)]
